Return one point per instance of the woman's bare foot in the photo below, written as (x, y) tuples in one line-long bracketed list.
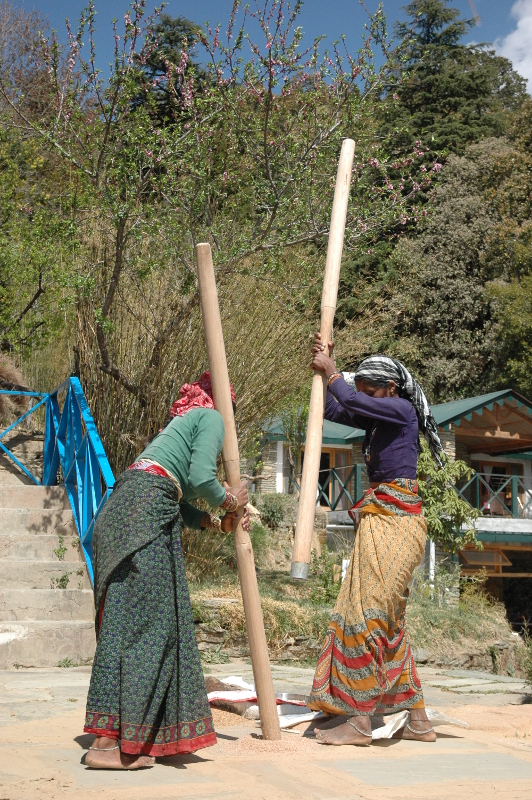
[(104, 754), (347, 733), (418, 729), (330, 722)]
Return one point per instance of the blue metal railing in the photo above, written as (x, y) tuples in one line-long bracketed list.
[(498, 495), (71, 442), (6, 450)]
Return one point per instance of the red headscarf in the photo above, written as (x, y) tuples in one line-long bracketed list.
[(196, 395)]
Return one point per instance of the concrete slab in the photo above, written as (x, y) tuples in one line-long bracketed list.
[(42, 744), (471, 675), (435, 767)]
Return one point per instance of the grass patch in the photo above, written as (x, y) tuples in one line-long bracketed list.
[(283, 618), (471, 622), (450, 625)]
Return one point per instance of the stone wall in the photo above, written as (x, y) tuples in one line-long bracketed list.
[(357, 457), (448, 441), (269, 461)]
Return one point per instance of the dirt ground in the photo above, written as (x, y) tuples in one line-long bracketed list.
[(42, 747)]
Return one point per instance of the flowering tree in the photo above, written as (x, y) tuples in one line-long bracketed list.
[(245, 158)]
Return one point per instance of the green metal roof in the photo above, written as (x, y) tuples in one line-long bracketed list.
[(444, 414), (333, 433), (456, 410)]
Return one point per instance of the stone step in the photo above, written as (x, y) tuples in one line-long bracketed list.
[(27, 447), (20, 605), (12, 475), (39, 547), (37, 521), (43, 574), (46, 497), (45, 644)]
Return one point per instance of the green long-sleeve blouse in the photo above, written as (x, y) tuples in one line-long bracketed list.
[(189, 447)]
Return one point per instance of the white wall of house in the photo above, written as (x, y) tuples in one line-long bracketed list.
[(279, 473), (268, 485)]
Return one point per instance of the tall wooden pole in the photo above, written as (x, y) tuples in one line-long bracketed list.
[(244, 552), (311, 464)]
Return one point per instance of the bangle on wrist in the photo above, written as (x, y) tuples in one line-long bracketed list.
[(230, 503), (214, 523), (333, 377)]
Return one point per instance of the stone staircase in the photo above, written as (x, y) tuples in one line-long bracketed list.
[(46, 600)]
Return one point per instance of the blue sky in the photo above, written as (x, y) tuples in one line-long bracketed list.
[(507, 24)]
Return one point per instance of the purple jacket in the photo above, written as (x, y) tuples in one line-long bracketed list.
[(391, 442)]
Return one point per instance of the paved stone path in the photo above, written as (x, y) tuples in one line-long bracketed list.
[(41, 746)]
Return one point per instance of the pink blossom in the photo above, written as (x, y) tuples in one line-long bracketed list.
[(436, 167)]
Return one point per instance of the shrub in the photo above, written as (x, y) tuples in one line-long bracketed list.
[(527, 662), (272, 509), (326, 587)]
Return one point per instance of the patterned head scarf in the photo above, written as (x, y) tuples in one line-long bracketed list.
[(381, 369), (196, 395)]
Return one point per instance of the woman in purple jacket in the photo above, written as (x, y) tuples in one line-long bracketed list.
[(366, 665)]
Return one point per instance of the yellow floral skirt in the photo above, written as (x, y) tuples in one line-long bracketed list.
[(366, 664)]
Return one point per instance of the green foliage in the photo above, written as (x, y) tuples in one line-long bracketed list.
[(259, 538), (174, 39), (437, 301), (507, 257), (453, 94), (272, 509), (66, 663), (214, 656), (450, 519), (512, 304), (61, 549), (36, 244), (322, 575), (428, 282), (242, 155), (61, 582)]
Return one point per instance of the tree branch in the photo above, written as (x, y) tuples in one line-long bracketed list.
[(30, 305)]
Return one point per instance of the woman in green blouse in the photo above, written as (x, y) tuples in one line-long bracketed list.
[(147, 694)]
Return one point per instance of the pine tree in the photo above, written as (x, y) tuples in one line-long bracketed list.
[(173, 35), (452, 94)]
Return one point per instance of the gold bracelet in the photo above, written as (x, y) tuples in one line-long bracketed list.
[(333, 377), (230, 503), (214, 523)]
